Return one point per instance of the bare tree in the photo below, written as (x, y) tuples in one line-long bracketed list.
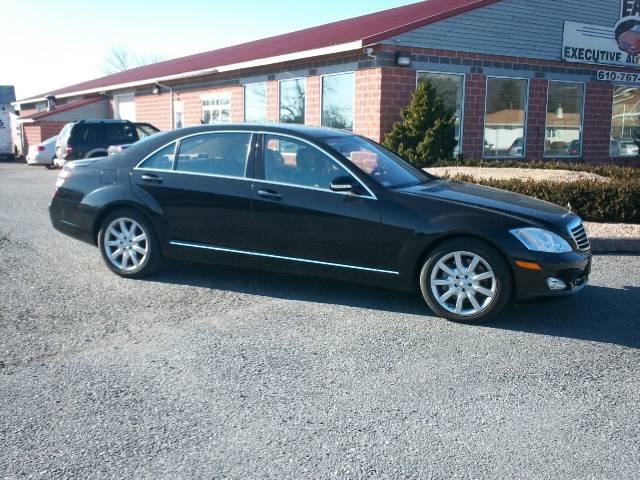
[(120, 59)]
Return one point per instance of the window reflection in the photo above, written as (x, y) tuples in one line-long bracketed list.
[(337, 101), (450, 87), (292, 101), (255, 103), (504, 133), (625, 122), (563, 134)]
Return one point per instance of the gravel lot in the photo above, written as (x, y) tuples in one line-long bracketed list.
[(218, 373), (535, 174)]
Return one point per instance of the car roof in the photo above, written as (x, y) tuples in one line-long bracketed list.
[(100, 121), (301, 130)]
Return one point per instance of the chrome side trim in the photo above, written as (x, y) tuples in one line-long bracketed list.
[(278, 257)]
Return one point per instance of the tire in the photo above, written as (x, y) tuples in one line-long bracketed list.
[(491, 281), (137, 258)]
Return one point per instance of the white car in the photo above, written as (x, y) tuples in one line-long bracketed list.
[(43, 154)]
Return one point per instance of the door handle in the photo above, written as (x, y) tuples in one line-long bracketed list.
[(270, 195), (151, 179)]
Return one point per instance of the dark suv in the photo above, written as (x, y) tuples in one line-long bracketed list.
[(92, 138)]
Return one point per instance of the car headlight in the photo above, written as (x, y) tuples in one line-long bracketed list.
[(539, 240)]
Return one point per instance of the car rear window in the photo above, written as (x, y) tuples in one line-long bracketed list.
[(116, 133)]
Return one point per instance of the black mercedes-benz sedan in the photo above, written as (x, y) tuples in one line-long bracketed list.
[(322, 202)]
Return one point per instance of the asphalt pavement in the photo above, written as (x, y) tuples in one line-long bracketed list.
[(209, 372)]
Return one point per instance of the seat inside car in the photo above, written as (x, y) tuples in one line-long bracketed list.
[(312, 169)]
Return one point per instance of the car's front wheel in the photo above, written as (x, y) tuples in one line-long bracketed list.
[(466, 280), (128, 244)]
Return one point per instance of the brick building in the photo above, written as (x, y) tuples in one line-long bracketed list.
[(526, 79)]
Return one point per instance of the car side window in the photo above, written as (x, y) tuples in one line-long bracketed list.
[(297, 163), (162, 159), (223, 154)]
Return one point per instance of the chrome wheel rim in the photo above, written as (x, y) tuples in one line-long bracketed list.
[(464, 283), (126, 245)]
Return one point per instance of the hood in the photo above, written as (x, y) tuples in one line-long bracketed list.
[(493, 199)]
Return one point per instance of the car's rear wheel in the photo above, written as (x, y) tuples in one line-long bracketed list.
[(128, 244), (466, 280)]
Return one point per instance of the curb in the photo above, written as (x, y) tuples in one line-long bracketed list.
[(615, 245)]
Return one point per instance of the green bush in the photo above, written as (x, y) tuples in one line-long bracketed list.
[(426, 132), (617, 200)]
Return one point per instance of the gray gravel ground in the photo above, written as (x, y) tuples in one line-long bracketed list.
[(206, 372)]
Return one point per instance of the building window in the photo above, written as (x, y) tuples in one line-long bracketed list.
[(216, 110), (255, 103), (337, 101), (178, 114), (563, 133), (41, 107), (292, 100), (505, 117), (450, 87), (625, 122)]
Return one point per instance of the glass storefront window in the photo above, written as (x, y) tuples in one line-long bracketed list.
[(292, 98), (337, 101), (505, 117), (625, 122), (451, 88), (563, 133), (255, 103)]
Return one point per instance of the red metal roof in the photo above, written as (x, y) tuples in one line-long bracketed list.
[(63, 108), (368, 29)]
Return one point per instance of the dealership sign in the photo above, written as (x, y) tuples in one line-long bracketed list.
[(585, 43), (630, 8)]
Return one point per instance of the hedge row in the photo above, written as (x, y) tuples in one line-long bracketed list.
[(611, 171), (617, 200)]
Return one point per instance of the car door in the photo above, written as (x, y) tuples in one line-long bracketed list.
[(296, 214), (200, 183)]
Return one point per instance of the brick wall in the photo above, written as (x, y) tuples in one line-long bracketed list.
[(32, 135), (273, 102), (50, 129), (312, 101), (597, 122), (36, 133), (368, 103), (473, 115), (536, 119), (398, 84), (156, 109)]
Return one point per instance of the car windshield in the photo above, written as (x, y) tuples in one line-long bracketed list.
[(380, 164)]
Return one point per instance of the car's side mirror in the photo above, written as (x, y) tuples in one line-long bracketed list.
[(343, 184)]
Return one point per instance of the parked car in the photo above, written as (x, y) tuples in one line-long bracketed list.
[(623, 147), (92, 138), (517, 148), (144, 130), (322, 202), (43, 154), (574, 147)]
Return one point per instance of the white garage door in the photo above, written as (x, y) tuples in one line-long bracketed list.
[(124, 107)]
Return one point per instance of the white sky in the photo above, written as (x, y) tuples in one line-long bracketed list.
[(47, 44)]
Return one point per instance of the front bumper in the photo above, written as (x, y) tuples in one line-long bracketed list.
[(572, 268)]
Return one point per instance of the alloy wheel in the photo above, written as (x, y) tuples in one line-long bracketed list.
[(463, 283), (126, 244)]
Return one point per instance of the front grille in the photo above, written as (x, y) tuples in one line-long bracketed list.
[(579, 235)]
